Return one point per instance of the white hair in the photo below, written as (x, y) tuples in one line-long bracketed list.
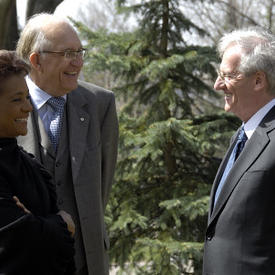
[(257, 48), (33, 38)]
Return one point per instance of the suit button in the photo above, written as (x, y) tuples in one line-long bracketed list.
[(209, 237), (58, 163), (60, 202)]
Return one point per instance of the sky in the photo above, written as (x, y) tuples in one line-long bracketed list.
[(66, 8)]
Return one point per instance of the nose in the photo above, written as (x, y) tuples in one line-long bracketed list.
[(78, 61), (219, 84), (27, 107)]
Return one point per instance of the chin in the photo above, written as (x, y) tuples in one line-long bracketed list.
[(68, 89), (228, 107), (73, 87), (23, 133)]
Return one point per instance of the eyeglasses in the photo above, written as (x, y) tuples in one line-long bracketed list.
[(68, 54), (228, 76)]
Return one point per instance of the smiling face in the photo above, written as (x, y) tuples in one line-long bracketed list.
[(14, 106), (54, 73), (239, 90)]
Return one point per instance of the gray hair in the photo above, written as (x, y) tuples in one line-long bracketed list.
[(257, 51), (33, 38)]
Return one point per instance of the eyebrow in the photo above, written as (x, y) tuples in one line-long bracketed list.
[(225, 72), (18, 93)]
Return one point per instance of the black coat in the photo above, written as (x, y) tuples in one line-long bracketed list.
[(36, 243)]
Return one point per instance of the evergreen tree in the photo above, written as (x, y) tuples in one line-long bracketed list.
[(171, 138)]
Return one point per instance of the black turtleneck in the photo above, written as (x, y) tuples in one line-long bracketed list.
[(36, 243), (22, 176)]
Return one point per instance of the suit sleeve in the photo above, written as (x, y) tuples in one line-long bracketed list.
[(109, 135), (27, 240)]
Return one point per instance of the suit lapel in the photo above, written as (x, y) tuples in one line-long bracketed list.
[(253, 148), (220, 172), (44, 138), (79, 121), (31, 142)]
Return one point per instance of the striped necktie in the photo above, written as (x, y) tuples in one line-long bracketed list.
[(241, 140)]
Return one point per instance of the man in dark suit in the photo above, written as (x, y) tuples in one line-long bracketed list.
[(73, 131), (240, 237)]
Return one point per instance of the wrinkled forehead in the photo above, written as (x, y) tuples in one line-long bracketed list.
[(231, 59), (61, 35)]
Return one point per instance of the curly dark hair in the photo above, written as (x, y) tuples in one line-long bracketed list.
[(11, 64)]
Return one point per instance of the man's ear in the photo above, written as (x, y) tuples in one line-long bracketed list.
[(35, 61), (260, 80)]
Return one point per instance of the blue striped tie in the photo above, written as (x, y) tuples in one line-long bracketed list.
[(241, 140), (57, 103)]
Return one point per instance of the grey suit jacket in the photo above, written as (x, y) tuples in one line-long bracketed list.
[(93, 138), (240, 236)]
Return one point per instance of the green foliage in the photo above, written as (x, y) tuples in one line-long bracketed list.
[(157, 218), (172, 137)]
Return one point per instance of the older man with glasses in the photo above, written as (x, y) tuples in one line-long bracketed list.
[(73, 131), (240, 237)]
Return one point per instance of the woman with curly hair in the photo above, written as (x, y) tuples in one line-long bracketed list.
[(35, 236)]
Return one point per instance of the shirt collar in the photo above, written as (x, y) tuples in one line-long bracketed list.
[(251, 125), (38, 96)]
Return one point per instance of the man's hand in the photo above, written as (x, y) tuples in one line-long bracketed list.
[(21, 205), (68, 220)]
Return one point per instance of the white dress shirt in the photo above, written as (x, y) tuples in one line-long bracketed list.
[(39, 100), (251, 125)]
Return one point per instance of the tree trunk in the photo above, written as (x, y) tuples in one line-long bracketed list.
[(232, 18), (37, 6), (165, 28), (8, 24), (9, 32), (270, 14)]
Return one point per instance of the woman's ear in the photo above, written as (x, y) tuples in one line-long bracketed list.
[(34, 60)]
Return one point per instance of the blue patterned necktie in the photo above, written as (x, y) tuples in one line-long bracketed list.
[(241, 140), (57, 103)]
